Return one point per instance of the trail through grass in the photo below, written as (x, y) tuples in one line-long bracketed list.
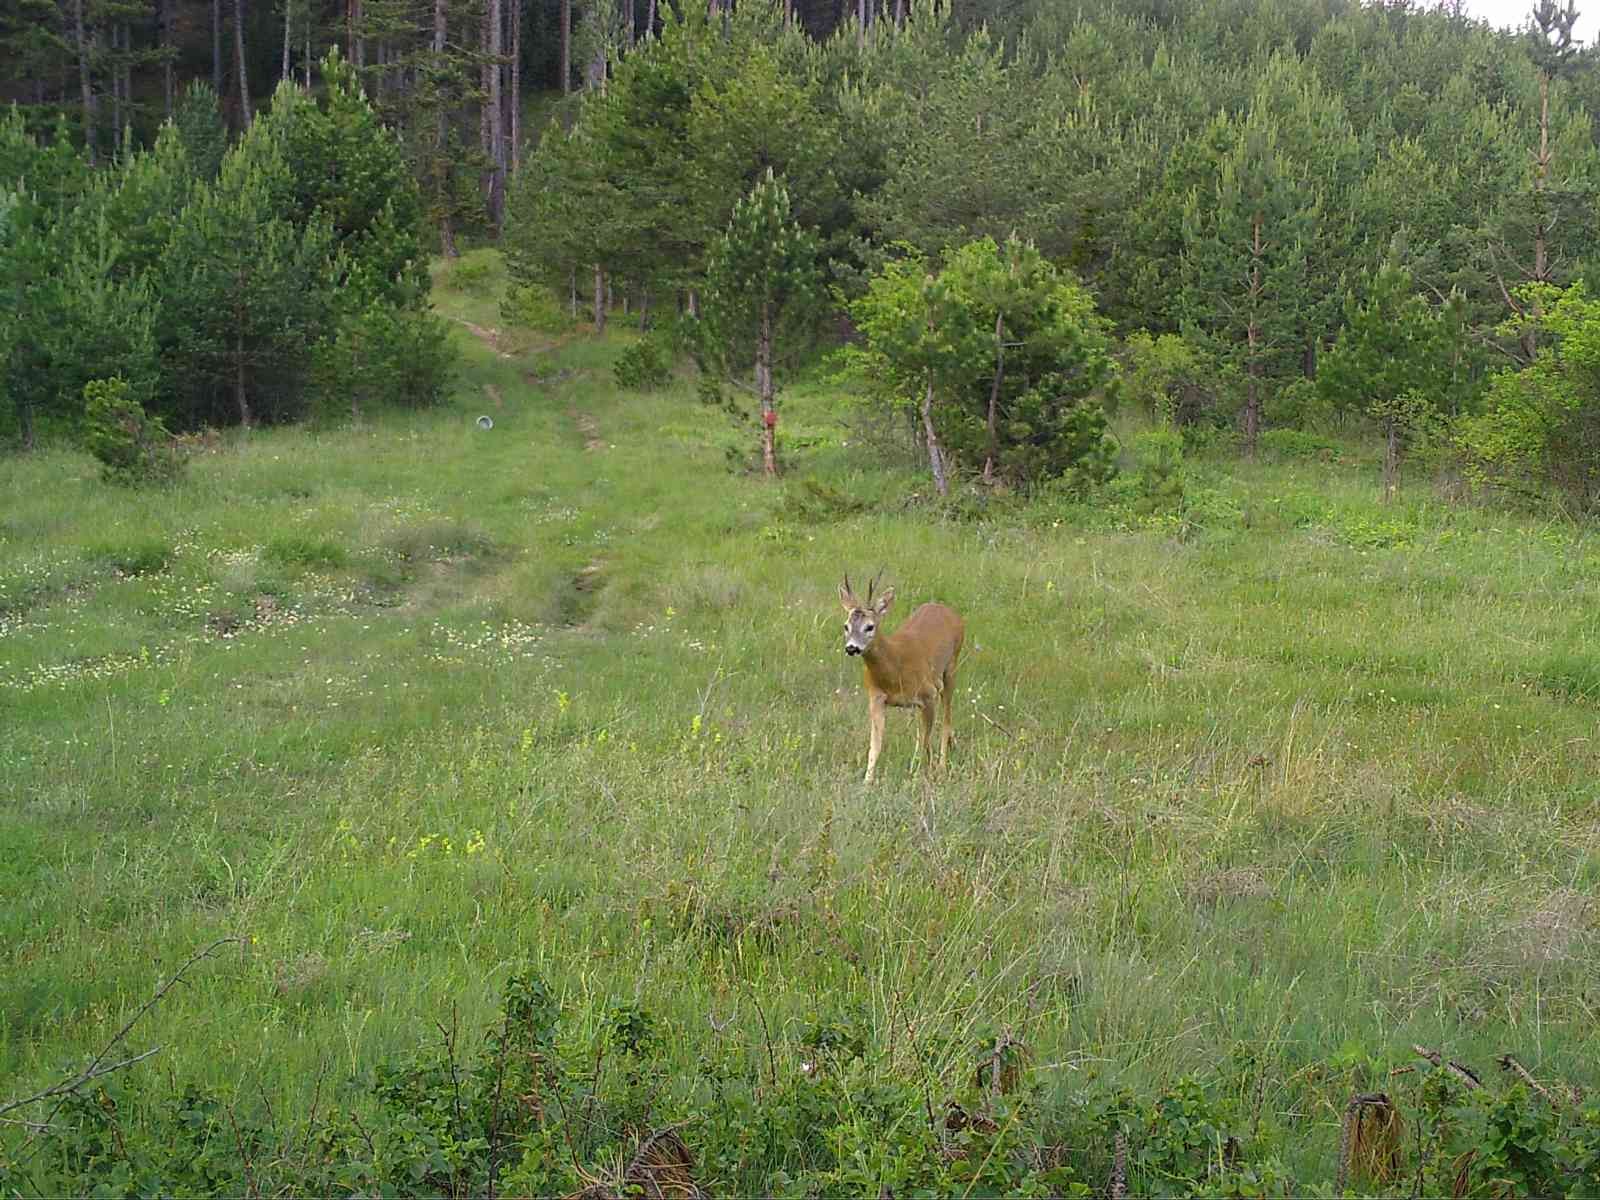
[(1272, 796)]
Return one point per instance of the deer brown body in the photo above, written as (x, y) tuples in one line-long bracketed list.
[(913, 667)]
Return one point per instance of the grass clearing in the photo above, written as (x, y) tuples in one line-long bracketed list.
[(1265, 792)]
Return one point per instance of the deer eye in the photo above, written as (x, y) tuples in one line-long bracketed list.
[(870, 628)]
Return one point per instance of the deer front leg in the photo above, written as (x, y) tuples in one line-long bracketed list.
[(925, 710), (876, 710)]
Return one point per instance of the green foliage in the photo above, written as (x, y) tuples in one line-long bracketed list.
[(133, 448), (246, 290), (646, 364), (534, 306), (198, 124), (1539, 432), (1170, 378), (1019, 361), (384, 355)]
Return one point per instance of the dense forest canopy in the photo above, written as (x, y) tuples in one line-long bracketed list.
[(1235, 174)]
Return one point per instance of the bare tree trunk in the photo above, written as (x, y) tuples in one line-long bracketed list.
[(516, 85), (493, 113), (239, 394), (572, 292), (358, 35), (165, 19), (1391, 460), (599, 299), (89, 138), (288, 22), (628, 22), (216, 47), (441, 162), (1541, 227), (861, 24), (899, 14), (994, 398), (309, 24), (566, 47), (238, 54), (769, 412), (650, 19), (1252, 333), (935, 455), (116, 89)]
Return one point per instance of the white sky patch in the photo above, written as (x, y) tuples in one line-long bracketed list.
[(1513, 14)]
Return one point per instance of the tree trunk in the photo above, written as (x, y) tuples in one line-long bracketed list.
[(1252, 335), (650, 18), (861, 24), (599, 299), (769, 413), (516, 85), (239, 395), (644, 311), (238, 54), (216, 47), (566, 47), (492, 129), (899, 14), (116, 90), (572, 291), (935, 455), (1391, 459), (994, 398), (441, 161), (164, 19), (307, 64), (357, 36), (1541, 226), (288, 23), (83, 81)]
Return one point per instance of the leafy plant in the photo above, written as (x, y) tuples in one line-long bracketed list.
[(133, 447)]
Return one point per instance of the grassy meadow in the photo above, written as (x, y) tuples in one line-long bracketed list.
[(1262, 792)]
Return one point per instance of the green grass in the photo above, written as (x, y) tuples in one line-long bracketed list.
[(1295, 779)]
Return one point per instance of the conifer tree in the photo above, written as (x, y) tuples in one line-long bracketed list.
[(762, 276), (1244, 262)]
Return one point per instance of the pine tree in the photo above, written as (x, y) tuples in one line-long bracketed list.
[(1244, 262), (762, 276), (246, 291)]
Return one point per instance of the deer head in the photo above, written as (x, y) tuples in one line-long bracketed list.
[(861, 619)]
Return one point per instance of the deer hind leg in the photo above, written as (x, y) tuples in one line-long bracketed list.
[(925, 742), (947, 729), (876, 707)]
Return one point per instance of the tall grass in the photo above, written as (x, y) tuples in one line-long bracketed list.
[(1302, 782)]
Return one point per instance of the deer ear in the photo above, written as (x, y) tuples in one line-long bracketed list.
[(884, 601)]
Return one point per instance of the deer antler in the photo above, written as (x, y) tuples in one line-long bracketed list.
[(873, 586), (848, 590)]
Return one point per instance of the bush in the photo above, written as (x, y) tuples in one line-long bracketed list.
[(645, 365), (1297, 444), (477, 274), (133, 447), (384, 355), (1171, 378), (534, 306)]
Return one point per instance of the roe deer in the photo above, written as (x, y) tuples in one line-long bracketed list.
[(913, 667)]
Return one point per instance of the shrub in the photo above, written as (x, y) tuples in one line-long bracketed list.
[(645, 365), (477, 274), (1174, 380), (384, 355), (1298, 444), (133, 447), (534, 306)]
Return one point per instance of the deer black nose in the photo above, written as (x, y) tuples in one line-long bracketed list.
[(852, 650)]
